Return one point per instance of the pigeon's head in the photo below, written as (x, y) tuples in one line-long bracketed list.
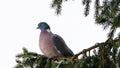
[(43, 26)]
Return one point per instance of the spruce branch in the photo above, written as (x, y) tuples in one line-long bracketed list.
[(95, 46)]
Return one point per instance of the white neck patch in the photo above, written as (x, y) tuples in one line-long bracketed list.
[(48, 30)]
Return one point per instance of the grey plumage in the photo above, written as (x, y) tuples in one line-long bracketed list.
[(52, 45)]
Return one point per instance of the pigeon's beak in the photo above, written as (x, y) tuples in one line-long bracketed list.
[(37, 28)]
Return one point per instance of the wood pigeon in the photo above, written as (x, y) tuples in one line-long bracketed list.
[(52, 45)]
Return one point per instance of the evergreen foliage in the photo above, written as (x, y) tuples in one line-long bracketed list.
[(104, 55), (101, 55), (106, 14)]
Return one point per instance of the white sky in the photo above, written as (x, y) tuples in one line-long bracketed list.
[(19, 19)]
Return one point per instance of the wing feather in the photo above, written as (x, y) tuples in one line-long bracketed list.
[(61, 46)]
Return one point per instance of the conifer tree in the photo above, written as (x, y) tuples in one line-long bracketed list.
[(104, 55)]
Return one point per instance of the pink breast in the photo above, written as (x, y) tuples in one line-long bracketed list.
[(46, 44)]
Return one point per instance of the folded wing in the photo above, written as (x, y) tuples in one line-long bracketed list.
[(61, 46)]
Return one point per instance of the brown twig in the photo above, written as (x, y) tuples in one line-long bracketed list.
[(95, 46)]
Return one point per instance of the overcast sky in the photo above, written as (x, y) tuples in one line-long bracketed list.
[(19, 19)]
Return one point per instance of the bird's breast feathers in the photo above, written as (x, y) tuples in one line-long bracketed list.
[(47, 45)]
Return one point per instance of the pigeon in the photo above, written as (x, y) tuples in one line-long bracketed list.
[(52, 45)]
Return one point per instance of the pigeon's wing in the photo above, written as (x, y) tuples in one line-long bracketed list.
[(61, 46)]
